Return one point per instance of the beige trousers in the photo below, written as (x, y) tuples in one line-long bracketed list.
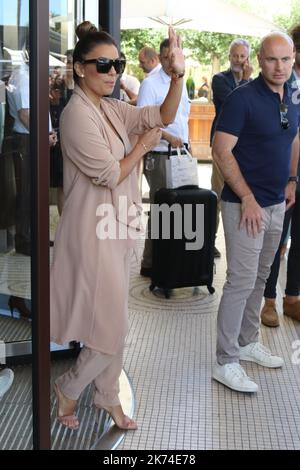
[(93, 366), (249, 262)]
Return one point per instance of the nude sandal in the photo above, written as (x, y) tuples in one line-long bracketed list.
[(127, 423), (70, 421)]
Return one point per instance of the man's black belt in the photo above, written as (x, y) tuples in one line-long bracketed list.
[(174, 152)]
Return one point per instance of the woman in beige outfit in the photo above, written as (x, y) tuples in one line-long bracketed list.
[(90, 272)]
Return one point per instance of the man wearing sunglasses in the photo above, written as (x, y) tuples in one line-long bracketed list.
[(291, 301), (256, 147)]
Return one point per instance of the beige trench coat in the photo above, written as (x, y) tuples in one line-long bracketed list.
[(89, 276)]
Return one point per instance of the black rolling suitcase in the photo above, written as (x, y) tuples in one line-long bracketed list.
[(178, 259)]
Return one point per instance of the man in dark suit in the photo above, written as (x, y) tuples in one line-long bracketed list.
[(223, 84)]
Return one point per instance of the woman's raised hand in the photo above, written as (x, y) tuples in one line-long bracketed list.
[(176, 56)]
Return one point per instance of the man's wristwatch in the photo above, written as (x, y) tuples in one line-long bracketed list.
[(178, 75), (294, 179)]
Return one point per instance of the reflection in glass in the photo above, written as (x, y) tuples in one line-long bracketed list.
[(15, 247), (15, 222), (61, 85)]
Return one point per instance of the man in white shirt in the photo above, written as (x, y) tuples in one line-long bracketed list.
[(19, 107), (153, 91), (129, 86), (149, 60), (18, 100)]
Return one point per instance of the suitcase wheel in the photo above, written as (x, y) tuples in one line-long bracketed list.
[(211, 289), (167, 293)]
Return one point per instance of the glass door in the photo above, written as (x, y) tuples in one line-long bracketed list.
[(15, 225), (21, 289)]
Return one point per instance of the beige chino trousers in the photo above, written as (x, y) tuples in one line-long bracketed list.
[(249, 262)]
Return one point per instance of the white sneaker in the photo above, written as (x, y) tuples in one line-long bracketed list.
[(6, 380), (233, 376), (257, 352)]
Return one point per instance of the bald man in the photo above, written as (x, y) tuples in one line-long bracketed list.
[(256, 147), (149, 60)]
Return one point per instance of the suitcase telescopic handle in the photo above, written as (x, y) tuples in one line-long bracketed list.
[(189, 186)]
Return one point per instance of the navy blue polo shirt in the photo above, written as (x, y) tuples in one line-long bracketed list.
[(263, 151)]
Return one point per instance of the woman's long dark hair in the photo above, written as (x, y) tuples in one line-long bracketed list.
[(87, 44)]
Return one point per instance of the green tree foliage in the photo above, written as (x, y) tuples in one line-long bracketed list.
[(133, 40), (264, 7), (288, 21), (204, 46)]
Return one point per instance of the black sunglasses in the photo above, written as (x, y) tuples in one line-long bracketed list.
[(104, 65), (284, 122)]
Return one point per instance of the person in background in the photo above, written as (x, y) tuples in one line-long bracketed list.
[(259, 165), (153, 91), (291, 301), (202, 95), (129, 86), (284, 246), (149, 60), (56, 72), (90, 269), (68, 77), (19, 107), (223, 84), (18, 101), (204, 86), (57, 104)]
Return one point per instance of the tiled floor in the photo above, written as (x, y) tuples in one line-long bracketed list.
[(169, 355)]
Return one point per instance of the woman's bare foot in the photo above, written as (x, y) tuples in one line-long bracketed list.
[(120, 419), (65, 410)]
